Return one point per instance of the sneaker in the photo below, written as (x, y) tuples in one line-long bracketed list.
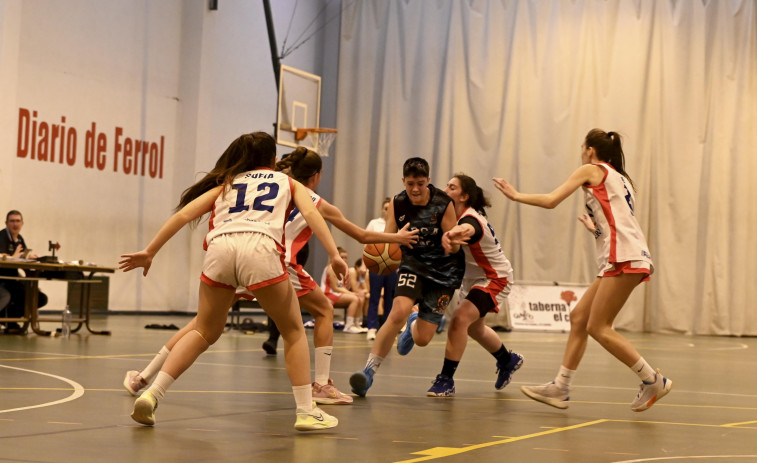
[(371, 335), (549, 394), (505, 373), (314, 420), (405, 342), (362, 381), (133, 382), (328, 394), (144, 409), (443, 322), (651, 392), (269, 347), (352, 329), (444, 386)]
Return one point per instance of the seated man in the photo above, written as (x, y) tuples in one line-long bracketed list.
[(12, 244)]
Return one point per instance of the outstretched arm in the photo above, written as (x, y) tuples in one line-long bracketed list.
[(457, 236), (335, 216), (316, 223), (449, 222), (587, 173), (188, 213)]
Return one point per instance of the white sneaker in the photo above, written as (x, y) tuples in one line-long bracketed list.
[(549, 394), (351, 329), (371, 334), (314, 420), (651, 393)]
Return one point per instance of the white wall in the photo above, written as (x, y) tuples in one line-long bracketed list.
[(169, 70)]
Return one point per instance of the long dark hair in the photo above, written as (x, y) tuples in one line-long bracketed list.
[(248, 152), (609, 149), (300, 164), (476, 197)]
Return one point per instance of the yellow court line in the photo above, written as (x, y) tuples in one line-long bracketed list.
[(81, 357), (441, 452), (731, 425)]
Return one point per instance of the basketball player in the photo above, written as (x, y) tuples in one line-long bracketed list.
[(486, 284), (624, 262), (249, 205), (305, 167), (427, 275)]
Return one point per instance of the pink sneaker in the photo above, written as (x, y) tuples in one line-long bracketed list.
[(329, 395), (133, 382)]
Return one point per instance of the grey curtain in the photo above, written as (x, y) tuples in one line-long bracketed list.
[(510, 88)]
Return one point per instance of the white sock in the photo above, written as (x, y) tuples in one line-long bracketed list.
[(323, 364), (644, 371), (374, 361), (155, 364), (303, 397), (161, 384), (350, 321), (564, 377)]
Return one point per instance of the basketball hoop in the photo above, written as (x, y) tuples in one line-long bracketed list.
[(320, 138)]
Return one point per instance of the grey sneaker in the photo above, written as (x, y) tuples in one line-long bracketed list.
[(651, 393), (314, 420), (134, 382), (549, 394)]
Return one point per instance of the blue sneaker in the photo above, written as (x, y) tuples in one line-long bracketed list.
[(405, 342), (444, 386), (362, 381), (443, 322), (505, 372)]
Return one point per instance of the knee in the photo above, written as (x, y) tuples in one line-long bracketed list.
[(209, 336), (598, 331)]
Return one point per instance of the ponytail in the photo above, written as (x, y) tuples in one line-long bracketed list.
[(609, 149), (300, 164)]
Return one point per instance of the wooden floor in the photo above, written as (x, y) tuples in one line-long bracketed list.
[(61, 400)]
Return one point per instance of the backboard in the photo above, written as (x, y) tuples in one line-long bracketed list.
[(299, 106)]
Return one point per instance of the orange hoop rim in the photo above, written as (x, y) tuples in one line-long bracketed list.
[(300, 134)]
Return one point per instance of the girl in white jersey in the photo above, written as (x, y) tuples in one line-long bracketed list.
[(486, 284), (624, 262), (249, 204), (305, 167)]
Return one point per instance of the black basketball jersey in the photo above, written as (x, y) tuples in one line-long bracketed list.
[(427, 258)]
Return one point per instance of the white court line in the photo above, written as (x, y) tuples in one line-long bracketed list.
[(78, 390)]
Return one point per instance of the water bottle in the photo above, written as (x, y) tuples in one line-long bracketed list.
[(65, 329)]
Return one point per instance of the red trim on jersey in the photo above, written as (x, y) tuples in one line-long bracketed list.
[(306, 281), (270, 282), (600, 192), (625, 267), (211, 225), (475, 249)]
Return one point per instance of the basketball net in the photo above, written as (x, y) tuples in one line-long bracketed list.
[(320, 139)]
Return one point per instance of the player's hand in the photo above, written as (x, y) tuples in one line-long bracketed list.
[(453, 239), (407, 238), (506, 189), (136, 260), (588, 222), (340, 268)]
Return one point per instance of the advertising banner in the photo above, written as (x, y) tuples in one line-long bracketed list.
[(543, 307)]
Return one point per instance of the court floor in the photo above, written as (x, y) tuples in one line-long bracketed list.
[(61, 400)]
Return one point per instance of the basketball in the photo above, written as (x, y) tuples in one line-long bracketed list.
[(382, 259)]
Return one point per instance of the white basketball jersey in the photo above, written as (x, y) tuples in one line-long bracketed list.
[(611, 206), (484, 258), (298, 231), (255, 201)]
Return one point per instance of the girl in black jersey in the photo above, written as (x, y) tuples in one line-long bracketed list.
[(427, 276)]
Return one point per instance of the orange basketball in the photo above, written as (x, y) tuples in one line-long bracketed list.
[(381, 258)]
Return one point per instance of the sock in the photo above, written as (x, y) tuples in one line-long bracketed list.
[(303, 397), (161, 384), (644, 371), (155, 364), (350, 321), (374, 361), (564, 377), (502, 355), (323, 364), (449, 367)]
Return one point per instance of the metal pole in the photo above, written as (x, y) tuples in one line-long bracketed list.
[(272, 42)]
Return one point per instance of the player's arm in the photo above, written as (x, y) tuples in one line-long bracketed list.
[(304, 203), (194, 210), (587, 173), (335, 216), (449, 221)]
